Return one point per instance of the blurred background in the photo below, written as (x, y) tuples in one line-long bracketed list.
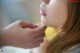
[(13, 10)]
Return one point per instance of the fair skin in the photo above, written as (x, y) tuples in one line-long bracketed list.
[(56, 14), (22, 34), (56, 11)]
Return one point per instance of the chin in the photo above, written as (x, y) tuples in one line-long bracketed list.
[(43, 20)]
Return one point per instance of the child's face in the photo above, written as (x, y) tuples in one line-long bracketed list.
[(53, 12)]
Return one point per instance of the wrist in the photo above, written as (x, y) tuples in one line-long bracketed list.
[(3, 37)]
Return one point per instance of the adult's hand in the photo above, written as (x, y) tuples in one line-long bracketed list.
[(22, 34)]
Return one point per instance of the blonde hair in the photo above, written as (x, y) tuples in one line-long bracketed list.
[(70, 34)]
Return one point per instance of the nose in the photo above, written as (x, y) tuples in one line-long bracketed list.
[(46, 1), (43, 5)]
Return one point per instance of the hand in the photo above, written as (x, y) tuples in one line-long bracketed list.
[(44, 45), (23, 34)]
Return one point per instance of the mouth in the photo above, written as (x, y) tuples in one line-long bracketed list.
[(42, 12)]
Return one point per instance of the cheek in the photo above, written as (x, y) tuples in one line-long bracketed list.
[(56, 15)]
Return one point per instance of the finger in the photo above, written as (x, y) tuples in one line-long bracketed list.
[(44, 42), (43, 45), (42, 35), (37, 44), (36, 31), (39, 29), (25, 24), (36, 40)]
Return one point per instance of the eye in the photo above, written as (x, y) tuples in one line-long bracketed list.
[(46, 1)]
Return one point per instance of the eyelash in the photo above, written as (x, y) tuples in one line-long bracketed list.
[(46, 1)]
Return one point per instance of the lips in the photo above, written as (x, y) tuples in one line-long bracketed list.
[(42, 12)]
